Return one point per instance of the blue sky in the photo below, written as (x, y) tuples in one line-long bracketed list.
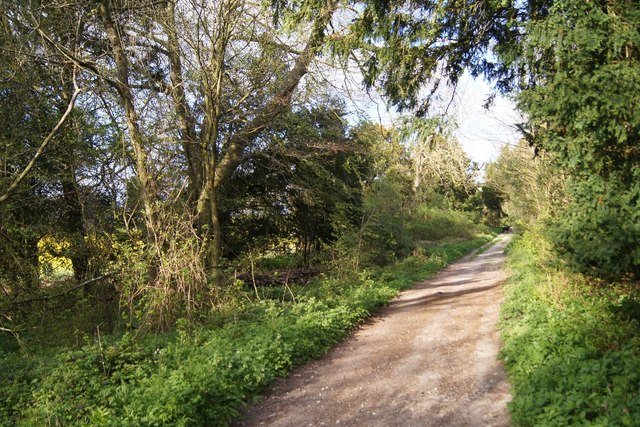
[(481, 132)]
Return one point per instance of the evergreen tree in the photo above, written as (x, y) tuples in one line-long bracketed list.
[(580, 94)]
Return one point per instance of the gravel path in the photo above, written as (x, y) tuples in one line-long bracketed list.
[(428, 359)]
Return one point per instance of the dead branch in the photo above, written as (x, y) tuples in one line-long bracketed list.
[(65, 292), (44, 144)]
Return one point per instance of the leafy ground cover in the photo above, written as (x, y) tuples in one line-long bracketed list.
[(571, 345), (204, 375)]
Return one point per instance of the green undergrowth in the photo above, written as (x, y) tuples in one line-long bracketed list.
[(571, 345), (433, 224), (202, 376)]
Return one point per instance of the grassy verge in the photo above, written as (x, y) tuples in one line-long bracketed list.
[(571, 346), (203, 376)]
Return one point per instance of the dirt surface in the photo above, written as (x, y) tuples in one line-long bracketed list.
[(428, 359)]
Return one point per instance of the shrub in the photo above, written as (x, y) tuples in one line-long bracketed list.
[(432, 224)]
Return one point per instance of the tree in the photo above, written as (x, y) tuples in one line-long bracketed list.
[(525, 188), (225, 70), (408, 51), (38, 187), (573, 68), (304, 185), (439, 166), (580, 66)]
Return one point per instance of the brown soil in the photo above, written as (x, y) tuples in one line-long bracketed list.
[(428, 359)]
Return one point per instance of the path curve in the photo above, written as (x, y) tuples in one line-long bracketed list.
[(427, 359)]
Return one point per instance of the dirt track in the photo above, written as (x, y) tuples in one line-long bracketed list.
[(428, 359)]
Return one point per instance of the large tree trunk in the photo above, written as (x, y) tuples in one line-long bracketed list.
[(143, 173), (74, 225)]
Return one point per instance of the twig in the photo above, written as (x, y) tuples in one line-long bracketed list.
[(287, 288), (44, 144), (66, 291), (253, 279), (15, 335)]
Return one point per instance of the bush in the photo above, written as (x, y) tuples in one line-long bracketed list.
[(600, 238), (432, 224)]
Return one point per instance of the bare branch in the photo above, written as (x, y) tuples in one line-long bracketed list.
[(85, 65), (65, 292), (280, 101), (44, 143)]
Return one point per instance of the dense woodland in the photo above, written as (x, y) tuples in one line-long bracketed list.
[(190, 205)]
